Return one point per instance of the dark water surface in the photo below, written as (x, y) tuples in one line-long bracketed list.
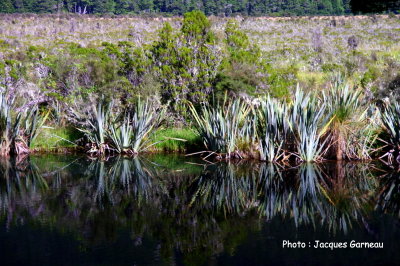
[(172, 210)]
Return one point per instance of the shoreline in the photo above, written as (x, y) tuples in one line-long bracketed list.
[(81, 152)]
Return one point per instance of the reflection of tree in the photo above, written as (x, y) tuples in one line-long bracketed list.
[(203, 214)]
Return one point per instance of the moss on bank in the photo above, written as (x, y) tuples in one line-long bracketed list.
[(56, 139), (175, 140)]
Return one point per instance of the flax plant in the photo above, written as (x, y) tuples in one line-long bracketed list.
[(344, 105), (391, 122), (122, 136), (113, 131), (5, 124), (18, 129), (308, 123), (97, 124), (145, 118), (273, 129), (223, 126)]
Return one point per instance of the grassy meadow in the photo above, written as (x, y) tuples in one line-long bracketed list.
[(306, 49)]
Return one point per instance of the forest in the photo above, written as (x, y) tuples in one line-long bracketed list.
[(209, 7)]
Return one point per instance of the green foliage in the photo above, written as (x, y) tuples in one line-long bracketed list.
[(242, 70), (7, 7), (237, 78), (85, 70), (196, 27), (281, 80), (238, 45), (185, 62), (370, 76), (54, 138), (176, 140)]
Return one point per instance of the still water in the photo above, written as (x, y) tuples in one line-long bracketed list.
[(174, 210)]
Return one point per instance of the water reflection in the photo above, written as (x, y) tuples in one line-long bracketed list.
[(207, 209), (389, 194)]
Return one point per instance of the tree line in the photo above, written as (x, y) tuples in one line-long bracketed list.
[(209, 7)]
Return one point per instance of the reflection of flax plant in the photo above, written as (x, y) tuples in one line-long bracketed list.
[(389, 196), (228, 188), (273, 193), (311, 197), (347, 195), (306, 203), (122, 175), (19, 183)]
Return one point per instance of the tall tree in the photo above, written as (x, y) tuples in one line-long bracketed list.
[(187, 61)]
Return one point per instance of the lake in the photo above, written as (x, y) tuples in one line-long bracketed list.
[(175, 210)]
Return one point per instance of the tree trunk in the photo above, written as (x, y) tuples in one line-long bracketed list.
[(340, 145)]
